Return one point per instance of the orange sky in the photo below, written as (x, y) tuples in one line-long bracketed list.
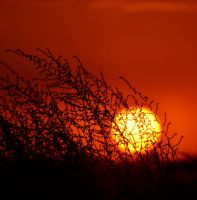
[(152, 43)]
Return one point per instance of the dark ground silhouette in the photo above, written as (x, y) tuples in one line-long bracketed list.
[(96, 180)]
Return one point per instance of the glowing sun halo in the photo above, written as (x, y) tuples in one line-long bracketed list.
[(136, 129)]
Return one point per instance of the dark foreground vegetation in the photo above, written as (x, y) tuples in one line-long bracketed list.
[(96, 180), (56, 139)]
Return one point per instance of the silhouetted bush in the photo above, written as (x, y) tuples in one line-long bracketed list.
[(65, 114)]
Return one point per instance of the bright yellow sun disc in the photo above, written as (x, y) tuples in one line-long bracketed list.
[(136, 130)]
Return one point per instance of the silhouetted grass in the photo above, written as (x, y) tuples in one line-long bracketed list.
[(55, 134), (93, 179)]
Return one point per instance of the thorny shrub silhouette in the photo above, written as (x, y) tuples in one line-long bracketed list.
[(66, 113)]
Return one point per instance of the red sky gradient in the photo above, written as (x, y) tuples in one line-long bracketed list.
[(152, 43)]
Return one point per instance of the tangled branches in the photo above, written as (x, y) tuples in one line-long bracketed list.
[(65, 111)]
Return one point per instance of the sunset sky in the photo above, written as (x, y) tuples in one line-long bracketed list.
[(152, 43)]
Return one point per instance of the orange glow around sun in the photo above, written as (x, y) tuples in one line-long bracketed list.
[(136, 130)]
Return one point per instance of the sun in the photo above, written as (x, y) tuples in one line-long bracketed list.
[(136, 130)]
